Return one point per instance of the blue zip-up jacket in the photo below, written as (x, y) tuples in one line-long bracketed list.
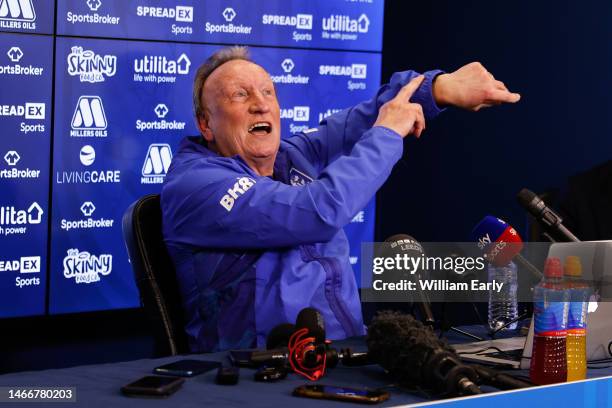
[(250, 252)]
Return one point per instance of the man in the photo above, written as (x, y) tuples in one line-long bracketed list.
[(254, 224)]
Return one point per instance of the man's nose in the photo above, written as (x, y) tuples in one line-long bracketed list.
[(259, 103)]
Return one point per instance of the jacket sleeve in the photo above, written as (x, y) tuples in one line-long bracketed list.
[(216, 206), (337, 134)]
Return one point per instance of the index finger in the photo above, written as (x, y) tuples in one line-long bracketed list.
[(410, 88)]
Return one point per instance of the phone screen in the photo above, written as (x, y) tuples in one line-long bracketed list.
[(187, 367), (341, 393), (329, 389)]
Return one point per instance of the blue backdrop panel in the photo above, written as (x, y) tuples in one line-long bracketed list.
[(28, 16), (25, 120), (337, 24)]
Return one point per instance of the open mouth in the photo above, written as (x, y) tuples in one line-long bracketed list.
[(260, 128)]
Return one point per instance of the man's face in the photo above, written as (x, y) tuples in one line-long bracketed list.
[(242, 115)]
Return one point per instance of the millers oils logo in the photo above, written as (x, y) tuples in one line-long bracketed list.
[(12, 158), (17, 14), (85, 267), (89, 66), (89, 119), (14, 57), (23, 265), (93, 17), (289, 77), (228, 14), (156, 163)]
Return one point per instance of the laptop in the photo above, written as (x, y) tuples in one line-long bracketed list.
[(596, 258)]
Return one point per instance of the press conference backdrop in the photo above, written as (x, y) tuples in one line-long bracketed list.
[(94, 98)]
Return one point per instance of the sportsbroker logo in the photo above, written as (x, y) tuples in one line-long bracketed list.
[(15, 221), (14, 67), (89, 119), (156, 163), (12, 158), (89, 66), (229, 15), (161, 111), (342, 27), (287, 65), (85, 267), (87, 208), (23, 265), (17, 14), (93, 17)]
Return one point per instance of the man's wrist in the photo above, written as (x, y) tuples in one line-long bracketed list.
[(440, 90)]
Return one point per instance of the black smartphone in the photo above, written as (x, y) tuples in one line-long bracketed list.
[(187, 368), (365, 396), (241, 358), (153, 386)]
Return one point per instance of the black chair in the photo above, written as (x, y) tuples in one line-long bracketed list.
[(155, 275)]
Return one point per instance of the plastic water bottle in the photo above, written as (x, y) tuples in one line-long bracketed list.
[(548, 357), (579, 293), (503, 306)]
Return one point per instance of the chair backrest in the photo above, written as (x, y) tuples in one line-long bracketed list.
[(155, 274)]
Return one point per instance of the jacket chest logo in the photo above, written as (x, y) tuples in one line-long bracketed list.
[(298, 178)]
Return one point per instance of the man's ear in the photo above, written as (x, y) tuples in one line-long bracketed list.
[(204, 129)]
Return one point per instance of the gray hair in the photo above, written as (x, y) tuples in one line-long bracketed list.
[(213, 62)]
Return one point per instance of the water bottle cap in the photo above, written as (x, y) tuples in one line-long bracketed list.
[(573, 267), (553, 268)]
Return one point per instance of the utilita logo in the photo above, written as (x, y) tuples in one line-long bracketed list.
[(89, 66), (15, 54), (85, 267), (161, 111), (89, 119), (159, 69), (87, 209), (346, 24), (288, 78), (93, 17), (11, 158), (156, 163), (228, 14), (14, 221), (17, 14)]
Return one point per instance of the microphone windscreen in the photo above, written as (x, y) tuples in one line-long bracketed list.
[(525, 198), (311, 319), (279, 336), (498, 240)]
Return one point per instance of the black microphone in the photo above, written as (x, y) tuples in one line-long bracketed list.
[(405, 244), (279, 336), (544, 215), (413, 354), (494, 378)]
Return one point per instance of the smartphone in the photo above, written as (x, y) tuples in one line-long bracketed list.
[(154, 386), (365, 396), (187, 368)]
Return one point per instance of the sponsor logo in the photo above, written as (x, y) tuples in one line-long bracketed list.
[(87, 209), (287, 66), (228, 14), (89, 66), (15, 54), (14, 221), (355, 71), (17, 14), (11, 158), (342, 27), (158, 69), (89, 119), (298, 178), (328, 113), (23, 265), (234, 193), (29, 111), (93, 17), (353, 260), (156, 163), (359, 217), (297, 114), (87, 156), (181, 14), (299, 21), (161, 111), (85, 267)]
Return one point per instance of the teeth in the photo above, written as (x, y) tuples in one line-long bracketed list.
[(259, 124)]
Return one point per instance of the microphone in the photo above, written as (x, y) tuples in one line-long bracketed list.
[(499, 380), (545, 216), (501, 243), (413, 354), (401, 244), (307, 346), (279, 336)]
